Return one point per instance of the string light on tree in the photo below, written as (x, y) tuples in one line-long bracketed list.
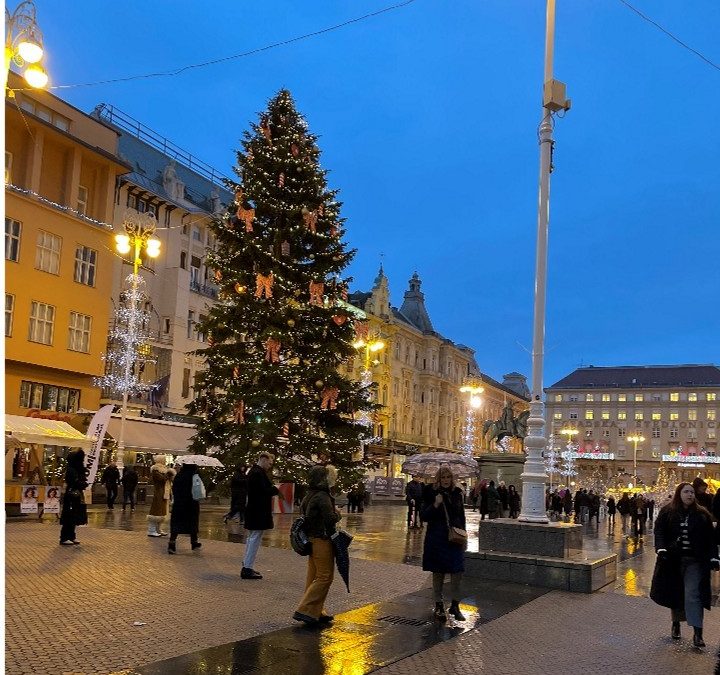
[(551, 459), (473, 388)]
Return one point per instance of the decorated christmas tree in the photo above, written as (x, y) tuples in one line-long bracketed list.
[(569, 465), (282, 327)]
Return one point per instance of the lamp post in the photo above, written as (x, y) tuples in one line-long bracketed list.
[(23, 44), (474, 389), (139, 228), (533, 476), (635, 439)]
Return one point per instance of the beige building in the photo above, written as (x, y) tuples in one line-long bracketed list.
[(674, 408), (418, 376)]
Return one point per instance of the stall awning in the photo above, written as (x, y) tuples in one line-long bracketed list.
[(156, 436), (43, 432)]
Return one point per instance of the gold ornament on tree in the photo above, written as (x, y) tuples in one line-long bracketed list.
[(239, 288)]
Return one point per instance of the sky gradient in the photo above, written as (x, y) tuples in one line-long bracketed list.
[(427, 118)]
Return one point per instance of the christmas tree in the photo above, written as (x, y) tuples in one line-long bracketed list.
[(282, 327), (569, 466)]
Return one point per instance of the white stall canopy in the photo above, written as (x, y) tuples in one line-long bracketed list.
[(156, 436), (36, 430)]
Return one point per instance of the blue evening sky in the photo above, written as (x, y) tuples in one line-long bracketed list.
[(428, 116)]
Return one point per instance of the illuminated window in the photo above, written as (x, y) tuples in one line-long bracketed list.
[(558, 398), (48, 397), (656, 415), (605, 397), (589, 398), (622, 415), (638, 414), (639, 398), (589, 415), (711, 397), (692, 414), (622, 397), (674, 415), (605, 414), (692, 397), (711, 414), (557, 416), (675, 396)]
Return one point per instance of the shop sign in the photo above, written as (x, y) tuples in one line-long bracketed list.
[(29, 499), (381, 485), (397, 486), (691, 460), (590, 455)]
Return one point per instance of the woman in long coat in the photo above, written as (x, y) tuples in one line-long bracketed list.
[(185, 515), (74, 511), (443, 501), (686, 552)]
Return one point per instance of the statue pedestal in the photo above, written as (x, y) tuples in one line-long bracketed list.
[(555, 540)]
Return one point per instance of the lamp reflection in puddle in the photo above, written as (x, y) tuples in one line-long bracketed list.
[(630, 579)]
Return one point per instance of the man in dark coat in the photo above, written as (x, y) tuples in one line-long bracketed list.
[(413, 497), (74, 511), (258, 512), (111, 479), (238, 493), (185, 514), (129, 483), (504, 498), (701, 495)]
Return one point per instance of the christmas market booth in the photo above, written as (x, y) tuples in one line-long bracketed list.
[(34, 452)]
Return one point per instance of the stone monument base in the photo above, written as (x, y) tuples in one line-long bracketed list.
[(556, 540)]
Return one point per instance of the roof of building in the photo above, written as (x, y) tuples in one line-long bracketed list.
[(628, 377), (503, 387)]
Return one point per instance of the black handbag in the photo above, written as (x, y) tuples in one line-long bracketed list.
[(299, 540)]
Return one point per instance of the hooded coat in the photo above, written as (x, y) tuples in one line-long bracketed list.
[(161, 477), (185, 515), (260, 491), (318, 506), (439, 555), (74, 510)]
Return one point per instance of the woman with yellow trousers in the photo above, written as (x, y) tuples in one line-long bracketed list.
[(321, 516)]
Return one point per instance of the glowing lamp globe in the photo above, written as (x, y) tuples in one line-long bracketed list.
[(36, 76), (122, 243), (30, 48), (153, 248)]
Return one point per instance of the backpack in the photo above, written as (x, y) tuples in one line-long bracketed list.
[(298, 537), (198, 489)]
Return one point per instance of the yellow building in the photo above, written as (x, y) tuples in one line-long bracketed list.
[(61, 167), (418, 376)]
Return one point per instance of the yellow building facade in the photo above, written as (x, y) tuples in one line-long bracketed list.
[(60, 175), (417, 379)]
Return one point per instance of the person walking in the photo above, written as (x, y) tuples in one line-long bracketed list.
[(185, 513), (686, 552), (475, 495), (413, 497), (321, 516), (651, 510), (129, 482), (567, 504), (111, 479), (493, 501), (258, 513), (624, 508), (611, 510), (162, 478), (701, 495), (443, 503), (238, 494), (74, 511), (483, 500), (638, 512), (504, 499), (513, 501)]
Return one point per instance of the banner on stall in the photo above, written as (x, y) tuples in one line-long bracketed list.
[(29, 499), (96, 430), (52, 499)]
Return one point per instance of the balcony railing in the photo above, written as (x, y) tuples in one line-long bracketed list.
[(207, 290)]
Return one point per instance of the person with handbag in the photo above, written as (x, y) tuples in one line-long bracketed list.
[(74, 510), (185, 514), (321, 516), (445, 539), (686, 552)]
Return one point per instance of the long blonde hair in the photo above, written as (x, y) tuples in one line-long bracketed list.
[(444, 469)]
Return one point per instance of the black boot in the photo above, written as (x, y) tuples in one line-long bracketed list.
[(698, 638), (455, 610), (439, 612), (171, 547), (675, 631)]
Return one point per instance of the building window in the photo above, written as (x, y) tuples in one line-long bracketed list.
[(8, 167), (12, 240), (201, 320), (48, 397), (605, 415), (573, 415), (190, 323), (639, 398), (675, 396), (9, 309), (166, 325), (606, 433), (186, 383), (196, 233), (692, 398), (605, 398), (557, 416), (573, 398), (141, 205), (79, 332), (674, 415), (558, 398), (656, 398), (656, 415), (692, 414), (589, 414), (47, 253), (194, 271), (589, 398), (85, 262), (656, 432), (132, 201), (692, 434), (45, 114), (711, 396), (588, 433), (638, 414), (622, 397), (622, 414), (82, 200), (710, 413), (674, 433), (183, 260), (42, 323), (711, 435), (621, 432)]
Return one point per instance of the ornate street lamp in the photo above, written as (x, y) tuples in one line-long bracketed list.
[(635, 439), (371, 345), (23, 44)]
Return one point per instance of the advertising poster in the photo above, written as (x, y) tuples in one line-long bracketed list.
[(397, 487), (52, 500), (382, 485), (29, 499)]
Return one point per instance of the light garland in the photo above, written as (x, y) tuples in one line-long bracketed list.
[(467, 444)]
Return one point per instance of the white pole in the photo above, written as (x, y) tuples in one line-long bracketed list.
[(533, 476)]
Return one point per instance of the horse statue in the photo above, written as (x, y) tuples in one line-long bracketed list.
[(507, 425)]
